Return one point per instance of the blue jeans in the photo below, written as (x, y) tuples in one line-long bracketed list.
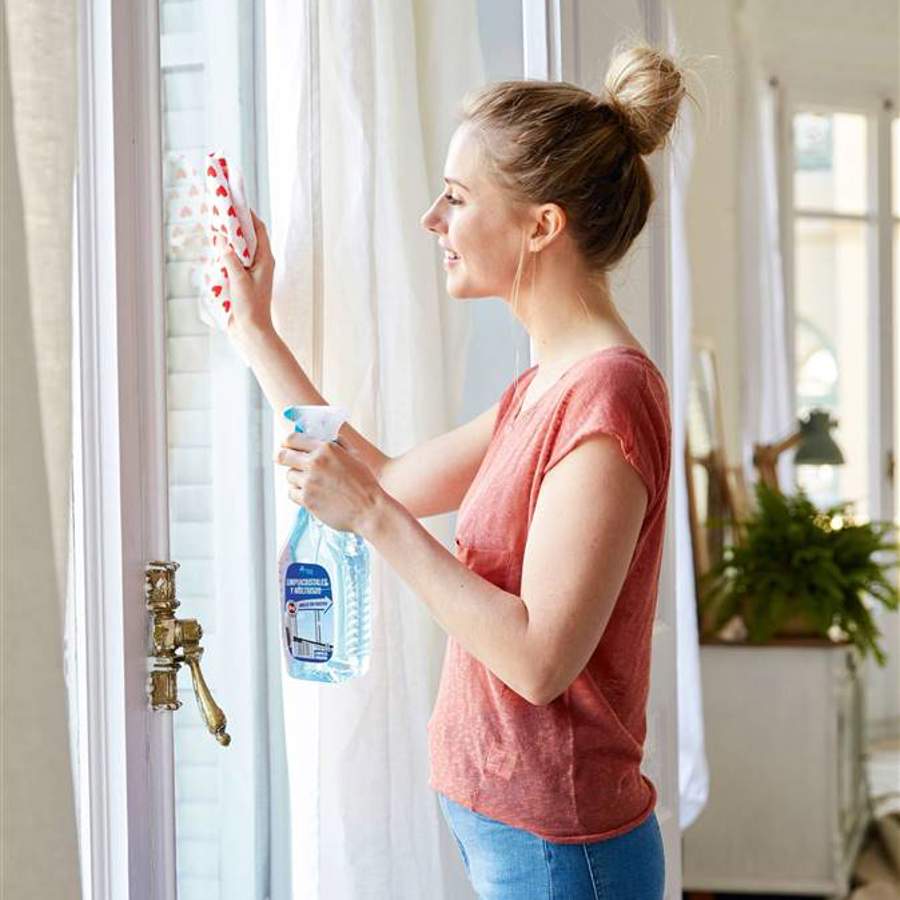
[(506, 863)]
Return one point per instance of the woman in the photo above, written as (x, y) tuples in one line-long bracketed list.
[(537, 734)]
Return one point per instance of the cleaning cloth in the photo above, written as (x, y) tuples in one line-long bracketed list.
[(220, 209)]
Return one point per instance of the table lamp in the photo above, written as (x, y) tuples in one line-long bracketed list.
[(816, 447)]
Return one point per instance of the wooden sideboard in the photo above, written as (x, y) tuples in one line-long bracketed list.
[(784, 733)]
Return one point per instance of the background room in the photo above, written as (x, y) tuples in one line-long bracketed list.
[(794, 243)]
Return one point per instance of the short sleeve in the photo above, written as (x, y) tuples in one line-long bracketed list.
[(621, 398)]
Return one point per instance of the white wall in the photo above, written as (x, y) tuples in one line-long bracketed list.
[(855, 44)]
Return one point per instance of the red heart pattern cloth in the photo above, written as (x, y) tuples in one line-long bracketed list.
[(219, 209)]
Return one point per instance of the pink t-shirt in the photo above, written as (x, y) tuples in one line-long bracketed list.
[(568, 771)]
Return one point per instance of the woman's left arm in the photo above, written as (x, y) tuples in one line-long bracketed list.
[(489, 622), (576, 557)]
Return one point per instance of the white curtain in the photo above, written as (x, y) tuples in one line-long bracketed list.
[(360, 106), (766, 382), (693, 772), (37, 111)]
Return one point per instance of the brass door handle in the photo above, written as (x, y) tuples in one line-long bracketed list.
[(170, 634)]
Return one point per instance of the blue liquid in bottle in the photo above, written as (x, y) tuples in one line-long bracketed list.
[(325, 590)]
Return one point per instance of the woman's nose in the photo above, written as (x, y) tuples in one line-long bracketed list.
[(430, 221)]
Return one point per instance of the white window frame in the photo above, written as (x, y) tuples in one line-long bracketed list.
[(801, 96), (120, 516)]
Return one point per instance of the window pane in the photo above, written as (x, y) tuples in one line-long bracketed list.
[(830, 161), (831, 303), (216, 528)]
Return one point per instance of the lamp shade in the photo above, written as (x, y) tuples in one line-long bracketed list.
[(816, 446)]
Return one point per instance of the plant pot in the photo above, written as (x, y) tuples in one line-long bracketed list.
[(799, 625)]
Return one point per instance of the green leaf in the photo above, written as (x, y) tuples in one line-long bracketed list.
[(792, 561)]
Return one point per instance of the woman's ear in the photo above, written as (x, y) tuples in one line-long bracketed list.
[(551, 223)]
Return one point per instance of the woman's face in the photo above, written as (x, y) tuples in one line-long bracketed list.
[(475, 222)]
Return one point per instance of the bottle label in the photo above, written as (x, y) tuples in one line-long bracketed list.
[(308, 613)]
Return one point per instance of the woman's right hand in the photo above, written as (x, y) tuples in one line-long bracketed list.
[(251, 288)]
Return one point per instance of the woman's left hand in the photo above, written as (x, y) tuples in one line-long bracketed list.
[(328, 479)]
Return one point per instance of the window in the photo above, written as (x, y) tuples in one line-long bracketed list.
[(838, 280)]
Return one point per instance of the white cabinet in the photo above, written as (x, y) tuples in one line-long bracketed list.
[(784, 741)]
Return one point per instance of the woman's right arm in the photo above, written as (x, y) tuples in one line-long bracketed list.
[(429, 479), (284, 383), (250, 328)]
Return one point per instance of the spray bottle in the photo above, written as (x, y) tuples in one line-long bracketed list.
[(325, 591)]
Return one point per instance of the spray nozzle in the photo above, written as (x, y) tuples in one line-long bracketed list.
[(322, 422)]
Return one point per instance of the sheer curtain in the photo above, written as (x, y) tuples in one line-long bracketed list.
[(360, 104), (693, 772), (767, 408), (37, 117)]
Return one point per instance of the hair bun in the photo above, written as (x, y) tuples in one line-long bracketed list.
[(644, 87)]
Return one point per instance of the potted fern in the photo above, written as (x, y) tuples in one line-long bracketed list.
[(796, 569)]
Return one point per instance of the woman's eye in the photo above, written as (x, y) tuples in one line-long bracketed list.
[(451, 199)]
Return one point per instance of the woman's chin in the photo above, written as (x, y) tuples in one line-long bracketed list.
[(467, 292), (460, 288), (455, 290)]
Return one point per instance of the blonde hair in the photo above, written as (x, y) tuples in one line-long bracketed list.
[(553, 141)]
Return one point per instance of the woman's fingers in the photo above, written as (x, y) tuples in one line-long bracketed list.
[(258, 223), (224, 257), (262, 233), (296, 440), (294, 451), (229, 258), (294, 459), (263, 247), (235, 274)]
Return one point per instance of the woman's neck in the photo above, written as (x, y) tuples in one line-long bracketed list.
[(573, 318)]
